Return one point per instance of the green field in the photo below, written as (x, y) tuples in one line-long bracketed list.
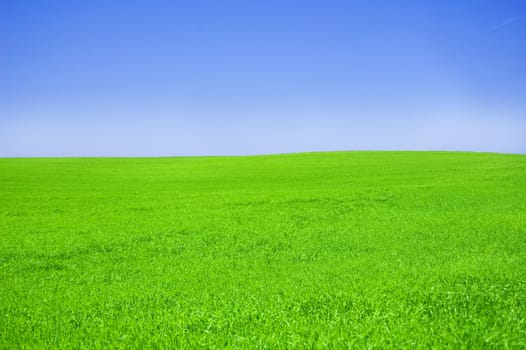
[(314, 250)]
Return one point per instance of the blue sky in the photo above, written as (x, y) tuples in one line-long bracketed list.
[(154, 78)]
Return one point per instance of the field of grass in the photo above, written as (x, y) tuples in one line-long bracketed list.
[(315, 250)]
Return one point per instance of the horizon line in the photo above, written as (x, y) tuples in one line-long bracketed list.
[(261, 154)]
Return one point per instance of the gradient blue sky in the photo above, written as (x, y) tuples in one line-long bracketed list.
[(150, 78)]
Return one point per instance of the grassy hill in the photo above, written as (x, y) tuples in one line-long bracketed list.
[(315, 250)]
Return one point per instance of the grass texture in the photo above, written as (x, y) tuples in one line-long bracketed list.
[(314, 250)]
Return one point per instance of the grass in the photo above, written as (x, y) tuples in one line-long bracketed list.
[(317, 250)]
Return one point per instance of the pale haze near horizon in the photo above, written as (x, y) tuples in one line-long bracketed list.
[(168, 78)]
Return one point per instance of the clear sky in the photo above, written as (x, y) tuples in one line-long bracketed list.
[(150, 78)]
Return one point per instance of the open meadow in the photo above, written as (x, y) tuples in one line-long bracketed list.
[(311, 250)]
